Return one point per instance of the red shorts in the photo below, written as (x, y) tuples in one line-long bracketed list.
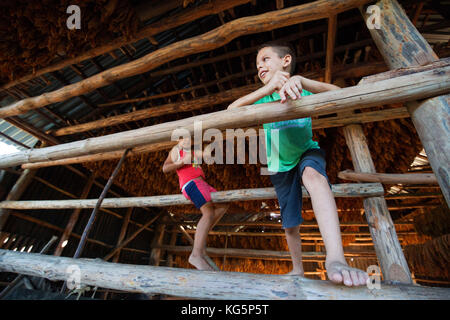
[(198, 191)]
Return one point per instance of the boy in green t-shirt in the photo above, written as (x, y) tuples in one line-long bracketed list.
[(293, 159)]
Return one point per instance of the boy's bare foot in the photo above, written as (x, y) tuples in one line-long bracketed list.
[(296, 273), (200, 263), (339, 272)]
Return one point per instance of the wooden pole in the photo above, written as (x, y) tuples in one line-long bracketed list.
[(365, 117), (190, 105), (73, 218), (90, 222), (389, 178), (389, 251), (19, 278), (206, 42), (155, 254), (123, 243), (203, 284), (123, 232), (404, 88), (331, 39), (403, 46), (339, 190), (265, 254), (16, 192)]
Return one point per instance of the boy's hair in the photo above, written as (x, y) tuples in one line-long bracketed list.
[(282, 49)]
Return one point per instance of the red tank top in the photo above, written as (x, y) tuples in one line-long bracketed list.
[(188, 172)]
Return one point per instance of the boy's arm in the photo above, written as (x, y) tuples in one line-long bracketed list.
[(170, 164), (276, 83), (294, 86), (317, 86), (250, 98)]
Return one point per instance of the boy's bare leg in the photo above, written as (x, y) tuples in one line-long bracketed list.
[(325, 210), (295, 248), (219, 211), (204, 225)]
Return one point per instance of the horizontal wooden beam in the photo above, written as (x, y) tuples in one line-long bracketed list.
[(341, 120), (211, 40), (175, 107), (282, 234), (339, 190), (202, 284), (404, 88), (265, 224), (263, 254), (389, 178)]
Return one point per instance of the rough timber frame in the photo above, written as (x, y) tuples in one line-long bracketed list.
[(204, 284), (438, 83)]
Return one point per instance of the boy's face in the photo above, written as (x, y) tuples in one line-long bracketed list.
[(268, 62), (185, 142)]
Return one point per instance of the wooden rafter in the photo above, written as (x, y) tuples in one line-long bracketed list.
[(211, 40), (399, 89)]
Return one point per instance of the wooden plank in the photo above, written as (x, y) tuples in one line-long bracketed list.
[(404, 88), (203, 284), (206, 42), (339, 190), (389, 178)]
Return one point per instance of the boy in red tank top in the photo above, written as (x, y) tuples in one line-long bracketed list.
[(194, 187)]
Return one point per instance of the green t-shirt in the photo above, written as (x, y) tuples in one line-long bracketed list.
[(286, 141)]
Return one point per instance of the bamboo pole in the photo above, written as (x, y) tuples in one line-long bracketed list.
[(339, 190), (206, 42), (203, 284), (389, 178), (400, 89)]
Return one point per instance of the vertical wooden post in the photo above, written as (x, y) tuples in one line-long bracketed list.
[(401, 45), (155, 255), (16, 192), (123, 232), (172, 242), (73, 218), (387, 247), (331, 39)]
